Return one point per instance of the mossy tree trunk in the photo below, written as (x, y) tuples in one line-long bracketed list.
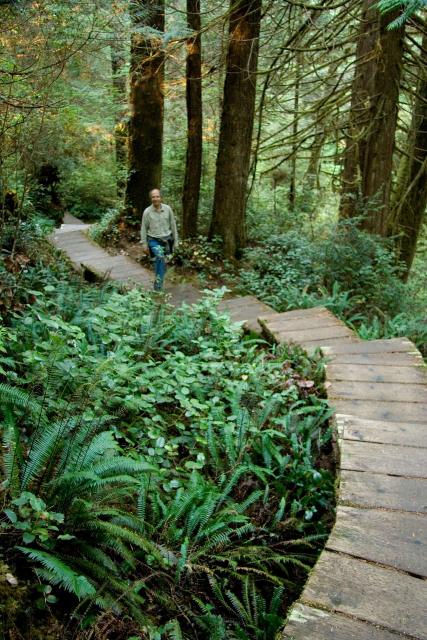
[(146, 101), (193, 165), (410, 200), (367, 173), (233, 159)]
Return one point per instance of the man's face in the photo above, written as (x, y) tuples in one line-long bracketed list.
[(156, 198)]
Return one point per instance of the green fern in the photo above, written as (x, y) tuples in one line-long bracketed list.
[(12, 454), (173, 630), (17, 398), (57, 572), (46, 446)]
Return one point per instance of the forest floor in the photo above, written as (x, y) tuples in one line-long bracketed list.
[(180, 271)]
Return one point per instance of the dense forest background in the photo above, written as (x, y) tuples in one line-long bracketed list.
[(164, 476), (256, 121)]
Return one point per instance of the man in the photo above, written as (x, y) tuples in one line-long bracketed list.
[(159, 235)]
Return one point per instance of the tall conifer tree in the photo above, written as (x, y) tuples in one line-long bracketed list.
[(367, 173), (193, 165), (146, 100), (232, 168)]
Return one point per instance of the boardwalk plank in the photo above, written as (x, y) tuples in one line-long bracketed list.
[(296, 313), (376, 373), (384, 491), (384, 411), (403, 433), (402, 359), (391, 345), (379, 391), (383, 458), (387, 537), (243, 302), (296, 324), (308, 623), (245, 309), (317, 334), (384, 597)]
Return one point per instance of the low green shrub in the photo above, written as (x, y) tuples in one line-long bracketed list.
[(89, 188), (346, 260), (230, 497), (106, 230), (349, 271)]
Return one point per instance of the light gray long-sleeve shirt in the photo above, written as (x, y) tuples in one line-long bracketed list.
[(158, 223)]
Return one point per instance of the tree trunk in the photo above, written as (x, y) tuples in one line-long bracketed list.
[(295, 125), (367, 173), (411, 191), (146, 98), (120, 128), (193, 165), (232, 168)]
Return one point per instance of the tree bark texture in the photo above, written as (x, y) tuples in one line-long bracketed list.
[(193, 165), (232, 168), (146, 101), (120, 126), (367, 172), (411, 190)]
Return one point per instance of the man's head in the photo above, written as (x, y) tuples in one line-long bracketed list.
[(155, 197)]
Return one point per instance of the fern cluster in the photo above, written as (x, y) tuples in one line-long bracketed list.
[(160, 466), (72, 467)]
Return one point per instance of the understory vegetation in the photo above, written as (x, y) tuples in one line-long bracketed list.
[(349, 271), (164, 477)]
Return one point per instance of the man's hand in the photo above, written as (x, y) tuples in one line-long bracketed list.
[(146, 250)]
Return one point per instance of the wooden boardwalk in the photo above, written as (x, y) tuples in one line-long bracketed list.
[(370, 582), (72, 239), (86, 255)]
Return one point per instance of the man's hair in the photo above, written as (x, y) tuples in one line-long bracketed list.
[(154, 189)]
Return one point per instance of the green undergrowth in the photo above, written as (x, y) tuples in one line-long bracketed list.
[(352, 273), (163, 476)]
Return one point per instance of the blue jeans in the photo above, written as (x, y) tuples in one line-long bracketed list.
[(158, 250)]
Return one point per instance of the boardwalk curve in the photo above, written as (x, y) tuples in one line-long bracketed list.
[(370, 582)]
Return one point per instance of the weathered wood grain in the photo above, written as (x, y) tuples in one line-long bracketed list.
[(317, 334), (245, 309), (377, 373), (385, 597), (244, 302), (312, 345), (387, 537), (402, 433), (384, 491), (402, 359), (391, 345), (379, 391), (296, 313), (383, 458), (384, 411), (295, 324), (308, 623)]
